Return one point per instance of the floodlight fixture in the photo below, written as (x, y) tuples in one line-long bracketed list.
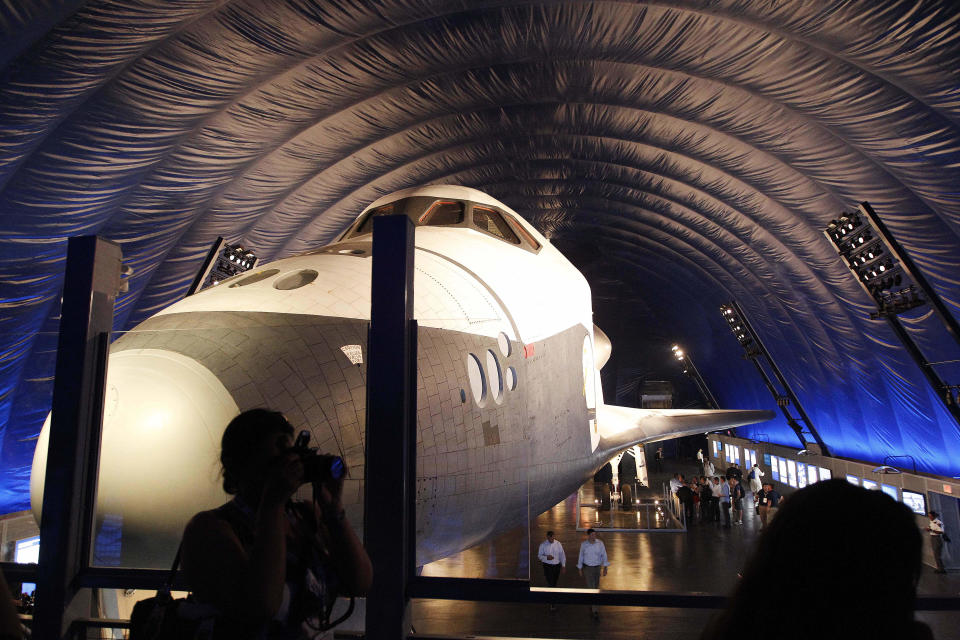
[(232, 260), (868, 252), (889, 275), (690, 369)]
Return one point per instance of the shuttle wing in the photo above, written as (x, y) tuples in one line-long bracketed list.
[(622, 427)]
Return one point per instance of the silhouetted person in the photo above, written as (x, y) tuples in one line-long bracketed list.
[(626, 500), (10, 627), (838, 561), (272, 566), (685, 495)]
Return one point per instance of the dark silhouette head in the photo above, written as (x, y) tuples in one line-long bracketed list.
[(242, 443), (836, 561)]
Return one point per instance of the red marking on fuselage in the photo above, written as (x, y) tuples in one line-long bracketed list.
[(528, 351)]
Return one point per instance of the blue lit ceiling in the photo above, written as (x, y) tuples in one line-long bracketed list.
[(693, 150)]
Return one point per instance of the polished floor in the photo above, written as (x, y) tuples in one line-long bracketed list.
[(704, 559)]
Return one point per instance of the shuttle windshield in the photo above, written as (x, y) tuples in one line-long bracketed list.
[(426, 211), (422, 211)]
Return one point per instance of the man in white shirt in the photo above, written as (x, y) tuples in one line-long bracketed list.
[(675, 483), (593, 560), (554, 561), (936, 540)]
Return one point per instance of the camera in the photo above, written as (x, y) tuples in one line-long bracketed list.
[(317, 467)]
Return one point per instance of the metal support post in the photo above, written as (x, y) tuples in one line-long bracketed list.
[(89, 291), (702, 385), (207, 265), (788, 394), (933, 378), (389, 518)]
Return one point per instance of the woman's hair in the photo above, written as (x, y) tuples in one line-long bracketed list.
[(242, 440), (834, 552)]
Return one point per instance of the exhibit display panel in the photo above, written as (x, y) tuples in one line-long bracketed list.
[(916, 501)]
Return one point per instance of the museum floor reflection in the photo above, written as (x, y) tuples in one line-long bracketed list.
[(704, 559)]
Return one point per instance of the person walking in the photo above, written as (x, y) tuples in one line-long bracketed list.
[(658, 457), (592, 561), (736, 500), (935, 529), (725, 502), (554, 561), (754, 475)]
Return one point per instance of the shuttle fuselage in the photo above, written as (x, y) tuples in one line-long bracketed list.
[(508, 389)]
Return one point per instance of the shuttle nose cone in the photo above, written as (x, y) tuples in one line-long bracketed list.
[(164, 415)]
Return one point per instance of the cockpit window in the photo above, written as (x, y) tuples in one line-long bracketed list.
[(492, 222), (441, 213), (423, 211)]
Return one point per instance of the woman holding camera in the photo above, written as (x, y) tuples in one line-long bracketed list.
[(272, 566)]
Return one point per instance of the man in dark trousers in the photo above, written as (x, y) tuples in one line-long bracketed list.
[(685, 494), (553, 559), (736, 500)]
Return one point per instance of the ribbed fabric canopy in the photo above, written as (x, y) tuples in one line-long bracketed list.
[(695, 149)]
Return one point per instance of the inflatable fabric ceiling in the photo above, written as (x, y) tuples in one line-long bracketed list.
[(696, 149)]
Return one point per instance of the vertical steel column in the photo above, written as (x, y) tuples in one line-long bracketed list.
[(391, 428), (89, 291)]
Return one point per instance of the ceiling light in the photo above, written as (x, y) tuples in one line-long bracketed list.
[(884, 468)]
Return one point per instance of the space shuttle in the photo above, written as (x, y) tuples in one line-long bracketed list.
[(511, 418)]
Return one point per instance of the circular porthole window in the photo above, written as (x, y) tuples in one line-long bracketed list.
[(296, 279), (504, 343), (496, 376), (510, 377), (478, 382), (255, 277)]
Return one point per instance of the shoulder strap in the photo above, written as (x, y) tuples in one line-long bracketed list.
[(167, 586)]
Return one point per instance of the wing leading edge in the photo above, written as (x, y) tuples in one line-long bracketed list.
[(622, 427)]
